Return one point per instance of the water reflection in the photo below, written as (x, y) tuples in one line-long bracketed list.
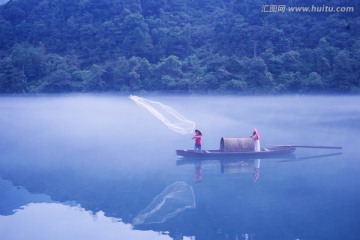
[(198, 172), (175, 199), (12, 198), (24, 214), (227, 166), (242, 166), (59, 221), (111, 159), (312, 157)]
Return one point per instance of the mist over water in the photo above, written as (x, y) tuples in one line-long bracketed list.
[(91, 127), (108, 156)]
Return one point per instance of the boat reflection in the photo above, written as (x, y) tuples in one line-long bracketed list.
[(233, 166), (240, 165)]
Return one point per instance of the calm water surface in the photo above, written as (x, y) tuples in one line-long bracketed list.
[(100, 167)]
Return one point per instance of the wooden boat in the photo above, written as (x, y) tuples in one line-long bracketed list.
[(245, 148), (269, 152)]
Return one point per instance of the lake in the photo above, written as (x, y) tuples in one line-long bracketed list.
[(101, 167)]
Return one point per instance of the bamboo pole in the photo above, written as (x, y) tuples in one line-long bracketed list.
[(309, 146)]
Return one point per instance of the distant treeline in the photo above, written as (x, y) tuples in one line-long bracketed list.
[(196, 46)]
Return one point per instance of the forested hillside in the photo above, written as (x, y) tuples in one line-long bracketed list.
[(195, 46)]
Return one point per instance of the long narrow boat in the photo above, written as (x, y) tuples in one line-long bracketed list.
[(245, 148), (269, 152)]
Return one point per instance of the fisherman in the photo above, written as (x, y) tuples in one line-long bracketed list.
[(256, 137), (197, 137)]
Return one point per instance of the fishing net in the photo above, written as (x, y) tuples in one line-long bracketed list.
[(167, 115)]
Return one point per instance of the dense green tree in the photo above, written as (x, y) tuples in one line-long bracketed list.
[(120, 73), (151, 7), (12, 79), (58, 81), (234, 86), (343, 77), (206, 83), (291, 61), (196, 46), (289, 82), (275, 65), (94, 81), (30, 60), (137, 41), (169, 66), (256, 74), (6, 33), (313, 83), (141, 70), (14, 13)]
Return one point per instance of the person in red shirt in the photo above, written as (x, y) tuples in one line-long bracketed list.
[(197, 137)]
